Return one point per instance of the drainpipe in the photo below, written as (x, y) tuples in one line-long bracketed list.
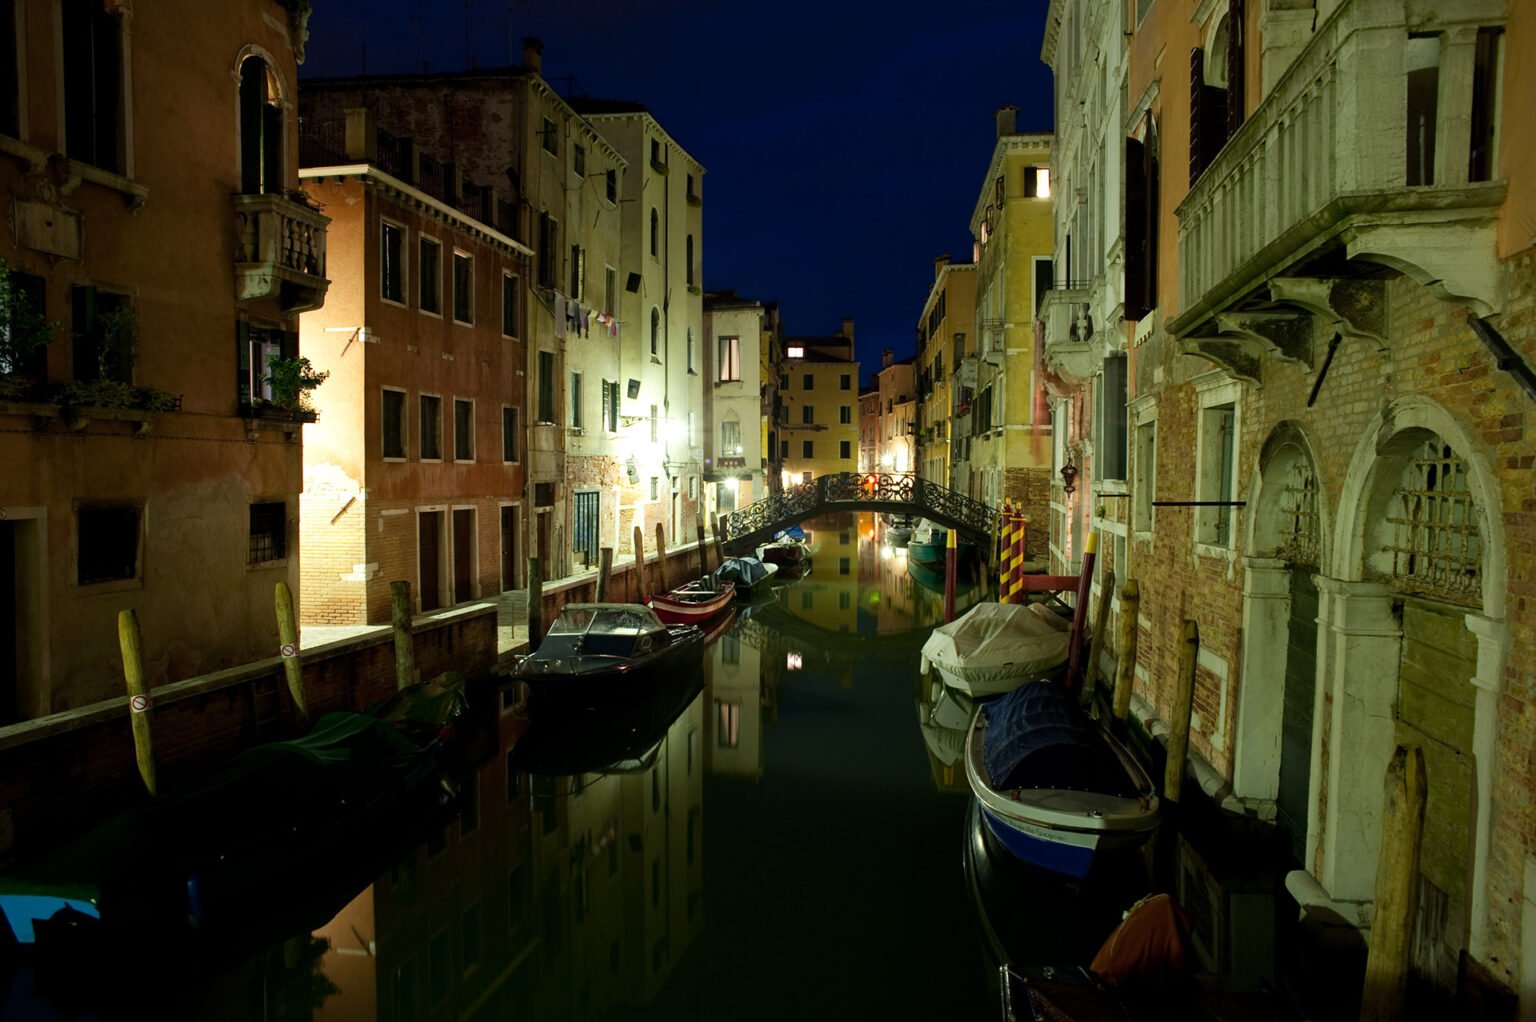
[(1504, 357)]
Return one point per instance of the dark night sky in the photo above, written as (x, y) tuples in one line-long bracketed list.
[(844, 142)]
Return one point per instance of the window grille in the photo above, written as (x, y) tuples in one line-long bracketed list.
[(1435, 545), (1298, 515)]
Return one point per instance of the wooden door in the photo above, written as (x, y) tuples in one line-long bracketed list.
[(508, 548), (463, 555), (429, 541)]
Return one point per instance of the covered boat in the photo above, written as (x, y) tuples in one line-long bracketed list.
[(599, 654), (694, 602), (273, 827), (1055, 787), (996, 647), (750, 575)]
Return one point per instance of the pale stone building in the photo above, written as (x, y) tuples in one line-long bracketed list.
[(1328, 326), (896, 391), (660, 439), (734, 334)]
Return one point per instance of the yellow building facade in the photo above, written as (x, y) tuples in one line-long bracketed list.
[(818, 406), (1001, 415), (946, 333)]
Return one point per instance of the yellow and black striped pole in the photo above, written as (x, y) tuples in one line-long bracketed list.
[(1005, 555), (1016, 580)]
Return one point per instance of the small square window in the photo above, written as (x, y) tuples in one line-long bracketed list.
[(809, 382), (613, 185), (269, 532), (430, 280), (579, 158), (550, 136), (845, 381), (808, 448), (509, 287), (392, 262), (508, 434), (107, 544)]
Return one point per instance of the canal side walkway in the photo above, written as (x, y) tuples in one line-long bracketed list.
[(512, 605)]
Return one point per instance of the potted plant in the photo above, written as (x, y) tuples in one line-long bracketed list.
[(27, 334), (292, 379)]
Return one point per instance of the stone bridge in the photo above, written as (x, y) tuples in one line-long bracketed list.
[(899, 494)]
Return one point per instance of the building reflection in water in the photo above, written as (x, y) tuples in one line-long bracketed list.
[(548, 897)]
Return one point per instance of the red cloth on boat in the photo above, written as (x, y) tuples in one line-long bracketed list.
[(1149, 950)]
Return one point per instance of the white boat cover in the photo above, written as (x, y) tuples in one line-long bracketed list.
[(996, 647)]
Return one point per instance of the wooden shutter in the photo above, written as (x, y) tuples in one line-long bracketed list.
[(1236, 62), (1135, 228), (1208, 111), (243, 354), (1149, 293)]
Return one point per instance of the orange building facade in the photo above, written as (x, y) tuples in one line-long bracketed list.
[(147, 462)]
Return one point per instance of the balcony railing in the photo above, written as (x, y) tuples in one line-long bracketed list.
[(1067, 332), (1322, 165), (280, 251)]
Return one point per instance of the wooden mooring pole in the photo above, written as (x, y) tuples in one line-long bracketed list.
[(661, 559), (1180, 712), (139, 701), (1397, 888), (405, 642), (1126, 636), (1096, 641), (639, 565), (719, 550), (698, 522), (535, 602), (604, 569), (951, 569), (288, 636)]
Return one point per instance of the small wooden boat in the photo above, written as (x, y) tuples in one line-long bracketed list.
[(1055, 788), (996, 647), (751, 576), (694, 602), (927, 543), (600, 654), (783, 552)]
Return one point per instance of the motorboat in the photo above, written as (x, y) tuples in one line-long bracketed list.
[(898, 530), (602, 654), (926, 546), (750, 575), (996, 647), (274, 827), (1055, 788), (694, 602)]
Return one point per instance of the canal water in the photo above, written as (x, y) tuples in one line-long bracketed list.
[(792, 838)]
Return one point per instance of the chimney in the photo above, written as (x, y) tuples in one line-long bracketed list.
[(1007, 118), (887, 356), (939, 262), (533, 54), (847, 330)]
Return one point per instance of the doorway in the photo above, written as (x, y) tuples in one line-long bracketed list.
[(429, 540), (1296, 717), (463, 555), (508, 548), (586, 530)]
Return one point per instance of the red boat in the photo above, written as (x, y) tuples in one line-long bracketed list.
[(693, 603)]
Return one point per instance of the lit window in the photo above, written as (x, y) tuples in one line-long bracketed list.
[(796, 351), (1043, 183)]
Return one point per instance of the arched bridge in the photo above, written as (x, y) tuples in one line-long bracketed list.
[(898, 494)]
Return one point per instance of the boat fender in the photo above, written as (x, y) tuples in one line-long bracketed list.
[(923, 666)]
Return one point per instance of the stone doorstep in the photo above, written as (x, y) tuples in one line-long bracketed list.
[(38, 729)]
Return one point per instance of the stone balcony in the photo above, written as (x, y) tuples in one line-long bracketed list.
[(1068, 333), (1307, 207), (280, 251), (965, 372)]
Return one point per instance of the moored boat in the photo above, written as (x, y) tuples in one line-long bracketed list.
[(1055, 787), (596, 654), (750, 575), (996, 647), (694, 602)]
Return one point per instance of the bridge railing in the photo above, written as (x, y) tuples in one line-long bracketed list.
[(900, 492)]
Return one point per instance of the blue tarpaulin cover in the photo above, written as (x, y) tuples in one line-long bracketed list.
[(1038, 737)]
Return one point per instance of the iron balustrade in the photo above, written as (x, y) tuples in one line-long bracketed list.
[(890, 492)]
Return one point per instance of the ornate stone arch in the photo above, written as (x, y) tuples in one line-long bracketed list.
[(285, 91), (1289, 518)]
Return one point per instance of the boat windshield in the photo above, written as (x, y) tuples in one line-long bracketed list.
[(620, 630)]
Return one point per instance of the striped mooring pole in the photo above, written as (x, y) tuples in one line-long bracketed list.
[(1005, 553), (1020, 531)]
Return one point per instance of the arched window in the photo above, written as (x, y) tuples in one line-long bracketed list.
[(655, 331), (655, 232), (261, 128)]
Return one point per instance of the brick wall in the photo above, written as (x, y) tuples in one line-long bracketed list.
[(60, 772)]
